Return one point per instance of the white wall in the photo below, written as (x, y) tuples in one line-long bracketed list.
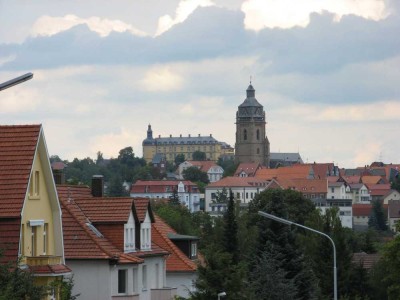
[(246, 194), (345, 214), (91, 279), (184, 282)]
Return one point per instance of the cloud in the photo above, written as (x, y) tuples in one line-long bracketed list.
[(184, 9), (260, 14), (48, 26), (161, 79)]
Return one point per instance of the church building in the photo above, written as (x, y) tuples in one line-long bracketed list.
[(252, 144)]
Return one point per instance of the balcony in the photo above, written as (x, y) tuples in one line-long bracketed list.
[(43, 260), (166, 293)]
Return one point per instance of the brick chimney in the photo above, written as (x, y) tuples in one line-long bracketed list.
[(97, 186), (58, 172)]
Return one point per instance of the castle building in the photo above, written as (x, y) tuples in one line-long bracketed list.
[(170, 147), (252, 145)]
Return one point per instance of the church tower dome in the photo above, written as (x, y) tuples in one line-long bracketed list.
[(252, 144)]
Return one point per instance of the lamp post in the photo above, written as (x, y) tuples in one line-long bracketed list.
[(287, 222), (222, 294), (15, 81)]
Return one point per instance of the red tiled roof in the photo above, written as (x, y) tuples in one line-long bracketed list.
[(366, 260), (290, 172), (234, 181), (101, 210), (203, 165), (249, 168), (17, 150), (86, 244), (379, 189), (80, 242), (321, 169), (176, 261), (49, 269), (9, 238), (305, 185), (160, 186), (371, 179), (352, 179), (360, 210)]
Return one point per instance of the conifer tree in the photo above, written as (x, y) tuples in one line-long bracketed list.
[(277, 237), (230, 241)]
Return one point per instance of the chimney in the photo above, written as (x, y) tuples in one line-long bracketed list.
[(159, 135), (170, 135), (210, 135), (189, 135), (180, 135), (58, 172), (97, 186), (199, 134)]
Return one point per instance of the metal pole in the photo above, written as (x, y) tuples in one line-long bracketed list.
[(287, 222), (15, 81)]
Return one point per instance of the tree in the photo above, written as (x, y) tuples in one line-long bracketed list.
[(99, 158), (115, 188), (174, 198), (320, 252), (377, 219), (221, 196), (230, 237), (229, 166), (199, 155), (219, 274), (18, 284), (395, 184), (195, 174), (179, 158), (275, 237), (269, 280)]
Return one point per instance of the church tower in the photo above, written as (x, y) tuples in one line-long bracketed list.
[(252, 144)]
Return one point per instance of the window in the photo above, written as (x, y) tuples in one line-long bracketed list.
[(144, 277), (237, 195), (45, 238), (245, 134), (332, 190), (34, 186), (258, 150), (33, 240), (135, 281), (23, 239), (247, 195), (129, 237), (194, 250), (157, 271), (121, 281), (258, 134)]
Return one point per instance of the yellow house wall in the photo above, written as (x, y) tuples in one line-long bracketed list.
[(38, 208), (213, 152)]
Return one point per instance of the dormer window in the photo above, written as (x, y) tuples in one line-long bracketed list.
[(129, 235), (145, 233)]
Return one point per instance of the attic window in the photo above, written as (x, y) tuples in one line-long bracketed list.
[(94, 229)]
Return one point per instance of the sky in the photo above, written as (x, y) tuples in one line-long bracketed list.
[(326, 71)]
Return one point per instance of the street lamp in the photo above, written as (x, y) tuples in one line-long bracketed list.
[(287, 222), (15, 81), (222, 294)]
